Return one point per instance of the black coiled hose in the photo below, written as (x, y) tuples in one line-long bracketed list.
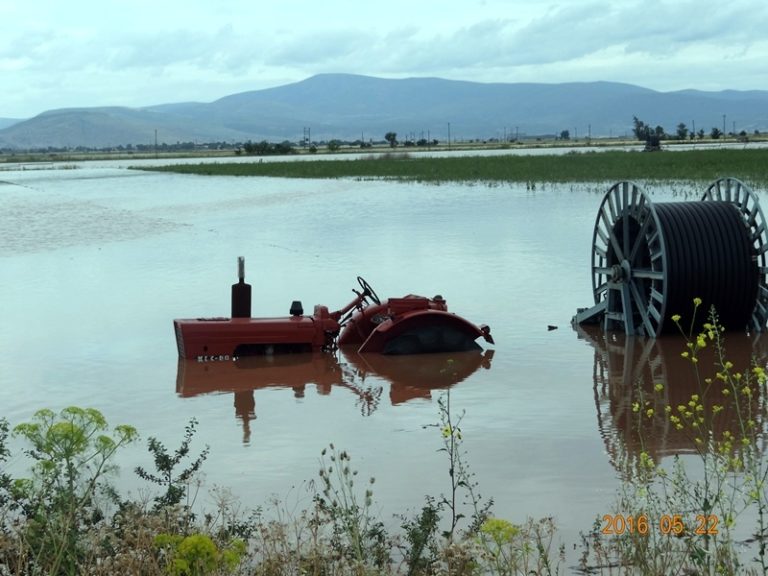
[(709, 256)]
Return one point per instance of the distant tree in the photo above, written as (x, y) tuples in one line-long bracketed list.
[(264, 148), (653, 143), (700, 134), (285, 147), (682, 131), (715, 133), (391, 137), (334, 145), (640, 129), (565, 135)]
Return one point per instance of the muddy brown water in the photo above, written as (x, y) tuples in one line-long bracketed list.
[(96, 262)]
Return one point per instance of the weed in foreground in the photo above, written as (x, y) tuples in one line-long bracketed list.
[(355, 532), (462, 479), (689, 517), (58, 523), (5, 479), (175, 485), (486, 545), (72, 457)]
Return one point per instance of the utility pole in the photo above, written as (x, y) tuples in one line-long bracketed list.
[(449, 135)]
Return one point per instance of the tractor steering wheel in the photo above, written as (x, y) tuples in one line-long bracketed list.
[(367, 290)]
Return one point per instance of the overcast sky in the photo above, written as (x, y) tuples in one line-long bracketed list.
[(64, 53)]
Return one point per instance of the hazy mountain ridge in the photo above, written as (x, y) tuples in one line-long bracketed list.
[(349, 107), (6, 122)]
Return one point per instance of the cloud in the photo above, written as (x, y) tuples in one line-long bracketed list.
[(322, 47), (204, 50)]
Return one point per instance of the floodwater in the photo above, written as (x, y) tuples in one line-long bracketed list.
[(96, 262)]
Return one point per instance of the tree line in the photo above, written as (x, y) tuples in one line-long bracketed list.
[(645, 133)]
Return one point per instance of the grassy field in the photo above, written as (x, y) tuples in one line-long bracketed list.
[(749, 165)]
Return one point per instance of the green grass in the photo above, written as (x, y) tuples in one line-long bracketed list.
[(750, 165)]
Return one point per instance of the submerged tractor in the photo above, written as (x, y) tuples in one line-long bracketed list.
[(408, 325)]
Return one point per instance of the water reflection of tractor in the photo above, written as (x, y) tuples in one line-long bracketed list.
[(627, 372), (408, 325), (361, 374)]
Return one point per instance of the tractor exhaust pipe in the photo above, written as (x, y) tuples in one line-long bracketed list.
[(241, 293)]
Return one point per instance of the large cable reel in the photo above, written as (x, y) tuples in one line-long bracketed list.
[(650, 260)]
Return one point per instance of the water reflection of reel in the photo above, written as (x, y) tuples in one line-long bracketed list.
[(364, 375), (626, 373)]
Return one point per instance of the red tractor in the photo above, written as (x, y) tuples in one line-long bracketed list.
[(408, 325)]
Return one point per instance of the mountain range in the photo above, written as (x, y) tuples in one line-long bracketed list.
[(351, 107)]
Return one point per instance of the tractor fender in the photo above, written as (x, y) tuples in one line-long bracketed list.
[(423, 331)]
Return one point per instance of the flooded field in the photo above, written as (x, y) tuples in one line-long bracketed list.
[(95, 263)]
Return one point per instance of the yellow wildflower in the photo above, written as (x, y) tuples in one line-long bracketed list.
[(500, 530)]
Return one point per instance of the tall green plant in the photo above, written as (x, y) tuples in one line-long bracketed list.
[(175, 483), (463, 486), (5, 478), (356, 533), (421, 552), (198, 555), (685, 515), (72, 453)]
